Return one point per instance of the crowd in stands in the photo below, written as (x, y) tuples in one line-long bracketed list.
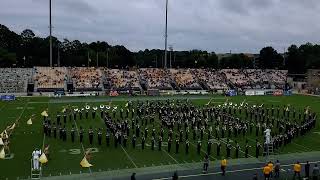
[(14, 80), (278, 77), (237, 77), (50, 78), (123, 79), (211, 78), (155, 78), (185, 79), (91, 78), (85, 77)]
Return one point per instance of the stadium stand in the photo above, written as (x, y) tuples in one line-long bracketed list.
[(185, 79), (237, 77), (210, 78), (278, 78), (123, 80), (95, 79), (155, 78), (14, 80), (86, 78), (48, 79)]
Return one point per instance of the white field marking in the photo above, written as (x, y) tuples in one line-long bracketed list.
[(306, 148), (170, 156), (75, 123), (316, 132), (129, 157), (232, 171)]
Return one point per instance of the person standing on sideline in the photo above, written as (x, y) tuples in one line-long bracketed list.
[(277, 169), (206, 163), (266, 172), (297, 170), (307, 169), (223, 166), (315, 172), (133, 176), (175, 176)]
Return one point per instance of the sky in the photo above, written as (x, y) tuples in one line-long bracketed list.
[(213, 25)]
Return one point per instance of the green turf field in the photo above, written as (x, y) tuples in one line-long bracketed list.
[(66, 156)]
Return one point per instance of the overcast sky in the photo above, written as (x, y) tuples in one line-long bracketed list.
[(213, 25)]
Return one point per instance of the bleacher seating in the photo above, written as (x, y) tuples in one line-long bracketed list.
[(91, 78), (237, 77), (47, 78), (211, 78), (185, 79), (155, 78), (123, 79), (14, 80), (86, 78)]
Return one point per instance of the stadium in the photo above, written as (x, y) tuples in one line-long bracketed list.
[(73, 110)]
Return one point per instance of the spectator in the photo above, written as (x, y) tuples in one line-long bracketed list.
[(133, 176), (277, 169), (307, 169), (315, 172), (223, 166), (266, 172), (175, 176), (297, 170)]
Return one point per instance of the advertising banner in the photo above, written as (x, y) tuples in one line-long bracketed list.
[(8, 97)]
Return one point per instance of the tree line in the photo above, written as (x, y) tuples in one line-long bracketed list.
[(28, 50)]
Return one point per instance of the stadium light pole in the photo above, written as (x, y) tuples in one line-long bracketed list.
[(166, 37), (50, 27)]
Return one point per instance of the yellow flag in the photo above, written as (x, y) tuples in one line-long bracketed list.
[(29, 122), (84, 163), (44, 113), (43, 159), (2, 154), (1, 142)]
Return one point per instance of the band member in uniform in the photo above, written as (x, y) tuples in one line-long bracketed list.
[(134, 139), (159, 143), (99, 136), (108, 139), (81, 134), (199, 147), (177, 146), (90, 135), (187, 146), (72, 134)]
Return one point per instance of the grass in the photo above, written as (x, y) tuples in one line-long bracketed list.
[(66, 156)]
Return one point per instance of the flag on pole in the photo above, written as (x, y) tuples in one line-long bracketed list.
[(44, 113), (2, 154), (43, 159), (84, 163), (29, 122)]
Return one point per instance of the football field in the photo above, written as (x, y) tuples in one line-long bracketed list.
[(65, 156)]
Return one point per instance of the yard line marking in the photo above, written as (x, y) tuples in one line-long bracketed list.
[(129, 157), (232, 171), (306, 148), (170, 156), (75, 123)]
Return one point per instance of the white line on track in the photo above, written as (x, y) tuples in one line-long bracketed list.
[(231, 171)]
